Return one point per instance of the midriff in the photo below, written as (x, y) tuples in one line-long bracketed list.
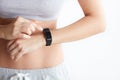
[(41, 58)]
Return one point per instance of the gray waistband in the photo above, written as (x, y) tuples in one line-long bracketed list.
[(57, 72), (42, 70)]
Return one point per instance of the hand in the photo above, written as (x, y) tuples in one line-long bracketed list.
[(18, 48), (20, 28)]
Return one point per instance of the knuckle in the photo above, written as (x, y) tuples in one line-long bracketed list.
[(18, 18), (15, 23)]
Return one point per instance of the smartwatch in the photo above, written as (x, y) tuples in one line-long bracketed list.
[(48, 36)]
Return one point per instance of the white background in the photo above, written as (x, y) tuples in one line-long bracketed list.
[(96, 57)]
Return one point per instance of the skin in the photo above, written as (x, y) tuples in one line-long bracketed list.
[(31, 43)]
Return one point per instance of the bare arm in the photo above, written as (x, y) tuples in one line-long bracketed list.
[(92, 23)]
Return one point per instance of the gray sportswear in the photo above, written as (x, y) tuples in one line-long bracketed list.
[(33, 9)]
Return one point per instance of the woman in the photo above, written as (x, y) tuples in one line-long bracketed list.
[(30, 43)]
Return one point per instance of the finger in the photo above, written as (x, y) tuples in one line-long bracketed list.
[(15, 51), (37, 27), (32, 27), (10, 43), (12, 47), (17, 57), (24, 36), (26, 29)]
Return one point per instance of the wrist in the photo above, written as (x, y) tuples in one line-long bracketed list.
[(43, 41)]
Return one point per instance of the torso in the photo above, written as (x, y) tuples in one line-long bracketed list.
[(40, 58), (45, 10)]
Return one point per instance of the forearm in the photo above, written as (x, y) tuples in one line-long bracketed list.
[(81, 29)]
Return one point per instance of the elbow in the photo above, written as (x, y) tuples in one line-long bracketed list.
[(102, 26), (99, 22)]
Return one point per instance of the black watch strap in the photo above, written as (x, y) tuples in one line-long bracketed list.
[(48, 36)]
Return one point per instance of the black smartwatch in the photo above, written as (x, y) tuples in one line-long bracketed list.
[(48, 36)]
